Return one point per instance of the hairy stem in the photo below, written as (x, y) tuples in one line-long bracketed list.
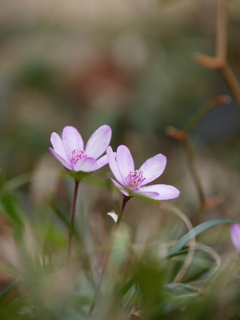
[(125, 200)]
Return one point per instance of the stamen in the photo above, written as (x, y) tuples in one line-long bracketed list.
[(134, 179), (77, 154)]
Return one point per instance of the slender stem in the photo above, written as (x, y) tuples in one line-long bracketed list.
[(217, 101), (71, 228), (194, 170), (219, 62), (125, 200), (221, 45), (231, 81)]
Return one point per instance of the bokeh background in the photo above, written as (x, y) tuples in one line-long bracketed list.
[(128, 64)]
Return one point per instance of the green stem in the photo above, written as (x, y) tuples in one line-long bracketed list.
[(70, 234)]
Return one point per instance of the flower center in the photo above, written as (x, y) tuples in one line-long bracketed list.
[(134, 179), (77, 154)]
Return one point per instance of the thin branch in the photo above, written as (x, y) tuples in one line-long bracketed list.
[(220, 61), (231, 81), (221, 45), (220, 100)]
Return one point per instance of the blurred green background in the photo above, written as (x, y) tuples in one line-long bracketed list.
[(128, 64)]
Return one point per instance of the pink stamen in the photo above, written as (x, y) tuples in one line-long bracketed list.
[(134, 179), (77, 154)]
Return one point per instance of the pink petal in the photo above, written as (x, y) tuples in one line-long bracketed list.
[(58, 145), (153, 168), (102, 162), (98, 142), (72, 140), (148, 194), (235, 236), (165, 192), (124, 161), (63, 161), (113, 166), (86, 165), (120, 188)]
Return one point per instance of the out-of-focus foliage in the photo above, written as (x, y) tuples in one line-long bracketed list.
[(127, 64)]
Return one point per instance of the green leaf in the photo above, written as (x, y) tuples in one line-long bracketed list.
[(180, 294), (177, 295), (196, 231), (62, 215), (17, 182), (11, 209), (178, 289)]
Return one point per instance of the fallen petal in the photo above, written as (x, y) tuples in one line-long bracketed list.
[(113, 215)]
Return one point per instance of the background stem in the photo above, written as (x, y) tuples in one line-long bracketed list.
[(69, 249)]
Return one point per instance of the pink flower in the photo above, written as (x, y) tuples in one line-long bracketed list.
[(132, 181), (71, 153), (235, 236)]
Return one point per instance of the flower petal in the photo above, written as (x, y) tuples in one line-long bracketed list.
[(124, 161), (98, 142), (165, 191), (148, 194), (72, 140), (153, 168), (102, 162), (58, 145), (113, 215), (63, 161), (86, 165), (235, 236), (120, 188), (113, 166)]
